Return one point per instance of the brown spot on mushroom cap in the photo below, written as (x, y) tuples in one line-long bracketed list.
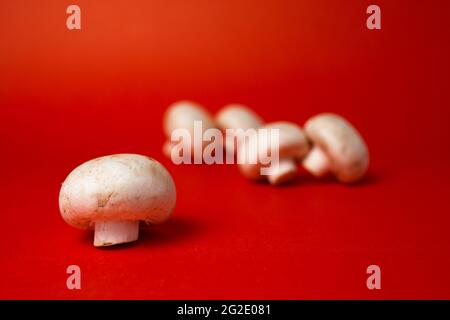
[(118, 187), (103, 199), (343, 144)]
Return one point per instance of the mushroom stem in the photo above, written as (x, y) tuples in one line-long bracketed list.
[(285, 171), (108, 233), (317, 162)]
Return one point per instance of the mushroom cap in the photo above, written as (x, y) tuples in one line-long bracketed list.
[(117, 187), (182, 114), (345, 147), (293, 143), (293, 140), (238, 116)]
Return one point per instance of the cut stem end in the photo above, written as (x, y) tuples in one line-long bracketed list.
[(317, 162), (284, 172), (109, 233)]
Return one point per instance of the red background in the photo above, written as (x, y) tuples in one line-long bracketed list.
[(69, 96)]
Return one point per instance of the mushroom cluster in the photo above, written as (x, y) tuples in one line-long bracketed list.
[(328, 144)]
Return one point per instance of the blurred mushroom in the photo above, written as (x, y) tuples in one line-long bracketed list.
[(182, 115), (236, 116), (337, 148), (293, 146)]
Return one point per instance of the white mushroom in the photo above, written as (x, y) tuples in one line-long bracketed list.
[(337, 148), (112, 194), (236, 116), (182, 115), (293, 146)]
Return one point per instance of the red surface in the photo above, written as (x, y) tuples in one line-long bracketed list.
[(69, 96)]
